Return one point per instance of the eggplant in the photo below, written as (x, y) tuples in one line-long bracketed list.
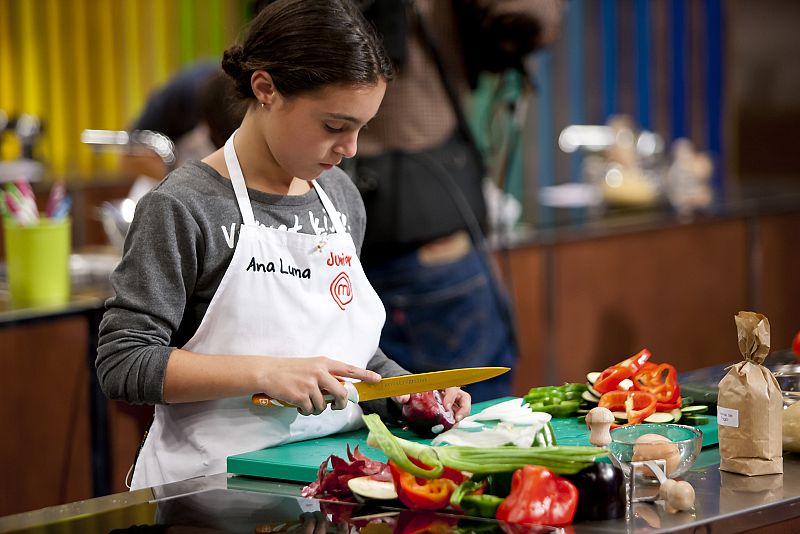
[(601, 492), (426, 415)]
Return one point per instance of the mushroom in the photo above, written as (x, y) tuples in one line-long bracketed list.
[(679, 495), (599, 421)]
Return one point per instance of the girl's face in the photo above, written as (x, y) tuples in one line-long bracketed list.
[(311, 133)]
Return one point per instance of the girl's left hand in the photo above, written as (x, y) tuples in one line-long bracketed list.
[(456, 398)]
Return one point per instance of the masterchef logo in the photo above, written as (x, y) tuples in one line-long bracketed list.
[(342, 290)]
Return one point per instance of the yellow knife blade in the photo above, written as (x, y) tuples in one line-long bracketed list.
[(417, 383), (405, 384)]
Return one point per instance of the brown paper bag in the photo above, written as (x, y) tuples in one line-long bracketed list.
[(750, 407)]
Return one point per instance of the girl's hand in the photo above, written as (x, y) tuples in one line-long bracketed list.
[(303, 382), (459, 401), (452, 398)]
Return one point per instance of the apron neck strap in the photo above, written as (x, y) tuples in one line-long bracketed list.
[(240, 188), (237, 179), (334, 215)]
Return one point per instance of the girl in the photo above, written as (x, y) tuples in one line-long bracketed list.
[(248, 260)]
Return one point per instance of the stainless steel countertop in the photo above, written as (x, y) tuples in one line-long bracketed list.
[(726, 502)]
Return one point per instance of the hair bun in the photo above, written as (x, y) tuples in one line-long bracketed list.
[(232, 61)]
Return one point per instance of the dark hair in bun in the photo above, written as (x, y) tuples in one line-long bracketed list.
[(305, 45), (232, 65)]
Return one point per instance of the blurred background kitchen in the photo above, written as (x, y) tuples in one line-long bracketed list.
[(643, 187)]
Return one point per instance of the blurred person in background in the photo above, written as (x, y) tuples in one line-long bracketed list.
[(420, 174), (195, 110)]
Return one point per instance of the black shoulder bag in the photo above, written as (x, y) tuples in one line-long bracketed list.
[(414, 197)]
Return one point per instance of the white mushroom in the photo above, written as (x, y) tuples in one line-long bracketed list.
[(680, 495), (599, 421)]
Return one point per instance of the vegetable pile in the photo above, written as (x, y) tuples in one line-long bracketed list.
[(637, 390), (334, 484), (539, 484)]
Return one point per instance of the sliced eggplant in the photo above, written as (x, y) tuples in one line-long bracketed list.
[(620, 415), (370, 488), (592, 377)]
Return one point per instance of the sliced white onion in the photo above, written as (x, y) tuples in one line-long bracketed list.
[(464, 424), (503, 434)]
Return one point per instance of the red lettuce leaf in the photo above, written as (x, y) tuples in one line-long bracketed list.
[(333, 484)]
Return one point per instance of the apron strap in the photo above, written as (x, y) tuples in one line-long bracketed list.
[(336, 218), (237, 179), (243, 199)]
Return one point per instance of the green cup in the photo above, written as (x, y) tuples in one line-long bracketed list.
[(37, 261)]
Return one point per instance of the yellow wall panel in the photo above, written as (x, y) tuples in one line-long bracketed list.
[(80, 64)]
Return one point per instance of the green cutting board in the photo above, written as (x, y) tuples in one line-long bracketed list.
[(300, 461)]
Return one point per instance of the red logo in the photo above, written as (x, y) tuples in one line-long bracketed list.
[(342, 290)]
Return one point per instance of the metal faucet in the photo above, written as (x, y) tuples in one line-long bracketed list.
[(134, 142)]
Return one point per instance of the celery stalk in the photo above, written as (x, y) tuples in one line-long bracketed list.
[(559, 459)]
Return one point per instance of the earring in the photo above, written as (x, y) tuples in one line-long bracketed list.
[(262, 105)]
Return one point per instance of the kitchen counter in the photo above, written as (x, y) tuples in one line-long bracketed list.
[(725, 502), (545, 225)]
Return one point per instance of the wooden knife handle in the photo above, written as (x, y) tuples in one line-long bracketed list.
[(262, 399)]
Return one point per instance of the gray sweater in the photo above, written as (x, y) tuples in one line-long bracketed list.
[(178, 248)]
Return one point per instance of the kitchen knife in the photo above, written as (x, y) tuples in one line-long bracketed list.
[(402, 385)]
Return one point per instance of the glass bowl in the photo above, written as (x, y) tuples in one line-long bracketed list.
[(788, 377), (680, 452)]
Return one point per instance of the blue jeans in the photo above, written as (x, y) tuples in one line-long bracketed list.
[(445, 316)]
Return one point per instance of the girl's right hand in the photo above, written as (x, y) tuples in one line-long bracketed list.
[(304, 382)]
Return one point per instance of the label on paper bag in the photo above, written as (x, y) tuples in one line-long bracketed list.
[(728, 417)]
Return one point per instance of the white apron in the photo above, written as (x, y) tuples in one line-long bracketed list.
[(284, 294)]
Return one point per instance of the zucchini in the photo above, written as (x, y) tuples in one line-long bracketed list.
[(697, 409), (659, 417), (582, 419), (620, 415), (592, 377), (594, 392), (588, 397), (694, 420)]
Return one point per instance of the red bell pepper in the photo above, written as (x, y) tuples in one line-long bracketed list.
[(611, 377), (796, 344), (637, 405), (409, 522), (539, 497), (661, 380), (422, 494)]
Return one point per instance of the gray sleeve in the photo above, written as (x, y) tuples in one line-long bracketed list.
[(386, 408), (157, 272)]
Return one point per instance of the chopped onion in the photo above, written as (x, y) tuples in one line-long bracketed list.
[(502, 434), (511, 411)]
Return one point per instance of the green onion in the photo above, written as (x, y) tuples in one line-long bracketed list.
[(561, 460)]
